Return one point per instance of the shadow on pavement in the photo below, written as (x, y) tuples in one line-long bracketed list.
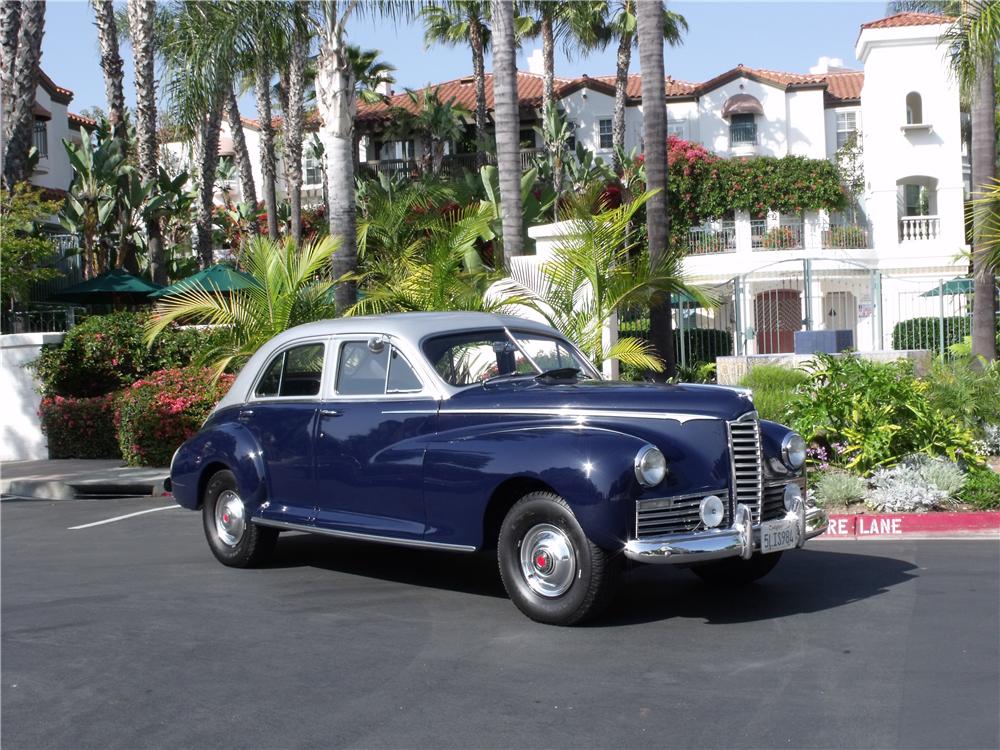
[(804, 580)]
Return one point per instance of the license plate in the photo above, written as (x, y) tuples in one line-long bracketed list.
[(777, 535)]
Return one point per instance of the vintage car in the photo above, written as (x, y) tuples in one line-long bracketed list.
[(469, 431)]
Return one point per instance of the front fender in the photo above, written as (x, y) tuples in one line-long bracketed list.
[(591, 467), (225, 445)]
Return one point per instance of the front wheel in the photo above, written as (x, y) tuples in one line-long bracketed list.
[(233, 539), (735, 571), (551, 571)]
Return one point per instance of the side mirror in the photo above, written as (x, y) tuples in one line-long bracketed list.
[(376, 344)]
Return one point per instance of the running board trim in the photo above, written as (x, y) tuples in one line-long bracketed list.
[(419, 543)]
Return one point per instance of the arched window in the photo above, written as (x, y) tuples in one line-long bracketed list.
[(914, 109)]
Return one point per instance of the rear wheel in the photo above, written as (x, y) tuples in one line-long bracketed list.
[(233, 539), (735, 571), (551, 571)]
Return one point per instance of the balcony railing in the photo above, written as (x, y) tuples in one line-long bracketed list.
[(709, 241), (788, 235), (452, 165), (743, 134), (919, 228), (845, 237)]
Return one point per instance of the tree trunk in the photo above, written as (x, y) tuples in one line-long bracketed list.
[(335, 97), (263, 91), (479, 72), (19, 120), (10, 25), (248, 189), (549, 106), (508, 127), (111, 64), (654, 129), (140, 19), (983, 172), (209, 161), (624, 61), (294, 115)]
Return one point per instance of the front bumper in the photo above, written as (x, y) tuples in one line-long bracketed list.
[(740, 540)]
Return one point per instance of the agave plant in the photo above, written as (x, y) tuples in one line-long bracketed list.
[(595, 271), (288, 292), (438, 269)]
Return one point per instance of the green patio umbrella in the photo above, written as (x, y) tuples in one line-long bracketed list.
[(217, 278), (950, 288), (116, 287)]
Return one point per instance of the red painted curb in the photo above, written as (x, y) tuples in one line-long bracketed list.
[(882, 525)]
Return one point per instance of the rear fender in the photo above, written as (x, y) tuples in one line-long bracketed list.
[(228, 445)]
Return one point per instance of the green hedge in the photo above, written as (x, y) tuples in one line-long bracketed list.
[(106, 353), (925, 333), (80, 427), (155, 415)]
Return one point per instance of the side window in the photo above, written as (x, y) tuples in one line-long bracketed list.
[(296, 372), (401, 379), (361, 372)]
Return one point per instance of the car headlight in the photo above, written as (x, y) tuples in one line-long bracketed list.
[(650, 466), (793, 451)]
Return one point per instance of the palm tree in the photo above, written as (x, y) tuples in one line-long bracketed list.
[(20, 83), (596, 270), (650, 25), (111, 64), (621, 23), (505, 112), (974, 37), (287, 294), (140, 21), (295, 116), (248, 189), (459, 23), (436, 121)]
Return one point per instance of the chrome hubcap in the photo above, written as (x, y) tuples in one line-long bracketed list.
[(230, 520), (548, 560)]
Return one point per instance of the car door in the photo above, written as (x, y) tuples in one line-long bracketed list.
[(369, 444), (281, 414)]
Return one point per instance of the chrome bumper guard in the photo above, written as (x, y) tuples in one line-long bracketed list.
[(741, 540)]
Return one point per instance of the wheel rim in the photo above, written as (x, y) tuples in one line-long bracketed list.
[(548, 560), (230, 519)]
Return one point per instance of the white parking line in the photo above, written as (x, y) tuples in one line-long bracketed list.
[(121, 518)]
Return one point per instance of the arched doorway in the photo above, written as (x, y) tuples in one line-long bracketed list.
[(777, 316)]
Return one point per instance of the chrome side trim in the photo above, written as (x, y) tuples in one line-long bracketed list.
[(363, 537), (570, 413)]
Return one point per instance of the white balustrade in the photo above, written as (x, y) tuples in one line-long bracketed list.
[(919, 228)]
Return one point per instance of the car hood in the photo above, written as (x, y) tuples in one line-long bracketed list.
[(684, 400)]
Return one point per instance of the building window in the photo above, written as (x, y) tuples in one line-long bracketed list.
[(605, 133), (914, 109), (917, 200), (677, 128), (742, 130), (313, 171), (847, 126), (41, 138), (526, 138), (571, 141)]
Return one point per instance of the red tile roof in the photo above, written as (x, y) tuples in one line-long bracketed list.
[(58, 93), (75, 119), (908, 19)]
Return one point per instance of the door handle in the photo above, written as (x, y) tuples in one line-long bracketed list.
[(245, 414), (329, 413)]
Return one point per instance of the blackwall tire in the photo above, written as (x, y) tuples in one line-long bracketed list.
[(233, 539), (734, 572), (551, 571)]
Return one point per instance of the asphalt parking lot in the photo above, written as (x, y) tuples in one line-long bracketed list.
[(129, 634)]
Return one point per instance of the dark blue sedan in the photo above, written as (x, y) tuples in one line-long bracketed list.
[(467, 431)]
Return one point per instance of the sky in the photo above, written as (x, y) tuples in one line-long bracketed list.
[(786, 36)]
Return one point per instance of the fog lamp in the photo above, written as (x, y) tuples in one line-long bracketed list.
[(793, 493), (712, 511)]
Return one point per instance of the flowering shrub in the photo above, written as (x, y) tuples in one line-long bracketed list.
[(80, 427), (106, 353), (158, 413), (779, 238)]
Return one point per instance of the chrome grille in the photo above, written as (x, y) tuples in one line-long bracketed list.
[(774, 502), (671, 515), (744, 442)]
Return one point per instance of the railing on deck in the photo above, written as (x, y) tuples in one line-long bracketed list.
[(845, 237), (709, 240), (919, 228)]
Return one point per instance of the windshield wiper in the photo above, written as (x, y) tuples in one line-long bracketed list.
[(505, 375), (559, 373)]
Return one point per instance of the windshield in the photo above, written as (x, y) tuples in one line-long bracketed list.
[(470, 357)]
